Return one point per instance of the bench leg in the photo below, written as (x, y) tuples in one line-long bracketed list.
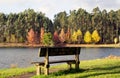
[(77, 65), (38, 70), (46, 70), (77, 60), (46, 67), (69, 66)]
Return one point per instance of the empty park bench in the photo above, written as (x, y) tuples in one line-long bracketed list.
[(53, 51)]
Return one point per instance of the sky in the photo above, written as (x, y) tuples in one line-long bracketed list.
[(52, 7)]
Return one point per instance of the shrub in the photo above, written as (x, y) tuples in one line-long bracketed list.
[(12, 38), (47, 39)]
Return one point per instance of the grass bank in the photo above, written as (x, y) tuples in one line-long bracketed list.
[(9, 73), (99, 68)]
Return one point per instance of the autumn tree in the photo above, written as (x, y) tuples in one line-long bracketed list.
[(74, 37), (31, 36), (68, 35), (56, 37), (95, 36), (62, 36), (115, 40), (77, 36), (88, 37)]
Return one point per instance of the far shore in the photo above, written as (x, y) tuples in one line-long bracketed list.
[(17, 45)]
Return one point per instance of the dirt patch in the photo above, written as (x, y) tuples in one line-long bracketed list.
[(30, 74), (112, 57), (26, 75)]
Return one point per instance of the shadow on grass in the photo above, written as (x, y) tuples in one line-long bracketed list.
[(65, 72), (107, 68), (84, 73), (102, 71), (98, 74)]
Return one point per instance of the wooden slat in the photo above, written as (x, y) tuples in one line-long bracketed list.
[(55, 61), (62, 61), (59, 51)]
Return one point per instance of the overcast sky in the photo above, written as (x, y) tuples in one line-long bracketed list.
[(52, 7)]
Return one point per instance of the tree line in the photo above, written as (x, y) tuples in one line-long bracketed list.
[(34, 27), (106, 23), (14, 27)]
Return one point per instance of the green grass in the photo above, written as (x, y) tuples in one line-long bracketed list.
[(5, 73), (100, 68)]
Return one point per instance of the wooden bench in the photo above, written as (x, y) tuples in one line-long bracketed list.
[(46, 52)]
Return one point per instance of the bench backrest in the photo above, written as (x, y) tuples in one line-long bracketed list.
[(59, 51)]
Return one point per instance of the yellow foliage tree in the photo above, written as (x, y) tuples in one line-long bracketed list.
[(88, 37), (115, 40), (95, 36), (74, 37)]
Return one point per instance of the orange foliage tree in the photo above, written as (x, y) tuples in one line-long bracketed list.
[(31, 36), (68, 35), (62, 36)]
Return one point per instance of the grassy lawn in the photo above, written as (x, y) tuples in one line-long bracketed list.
[(5, 73), (99, 68)]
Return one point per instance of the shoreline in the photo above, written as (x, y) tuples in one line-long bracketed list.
[(24, 45)]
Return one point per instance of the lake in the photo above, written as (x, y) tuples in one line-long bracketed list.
[(22, 57)]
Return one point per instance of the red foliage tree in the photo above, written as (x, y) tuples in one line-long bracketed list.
[(56, 37), (31, 36), (42, 31)]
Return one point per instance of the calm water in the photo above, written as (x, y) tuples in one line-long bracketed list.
[(22, 57)]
